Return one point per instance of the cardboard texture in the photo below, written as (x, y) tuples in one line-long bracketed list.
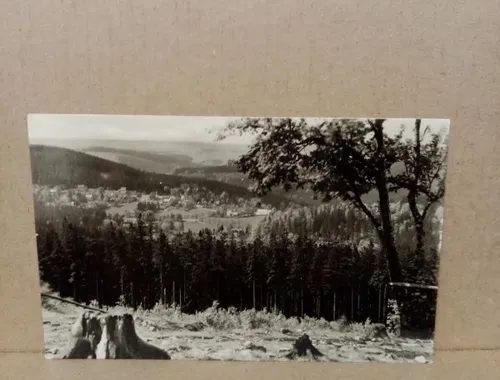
[(288, 58)]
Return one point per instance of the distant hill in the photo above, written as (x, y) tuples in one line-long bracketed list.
[(230, 174), (60, 166), (206, 169), (200, 153), (147, 161)]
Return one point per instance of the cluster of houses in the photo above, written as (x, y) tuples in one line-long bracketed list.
[(85, 197)]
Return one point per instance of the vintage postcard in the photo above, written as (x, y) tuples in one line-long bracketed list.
[(238, 238)]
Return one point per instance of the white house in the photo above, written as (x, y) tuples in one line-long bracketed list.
[(262, 212)]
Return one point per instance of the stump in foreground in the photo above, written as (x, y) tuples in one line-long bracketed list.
[(109, 337), (301, 347)]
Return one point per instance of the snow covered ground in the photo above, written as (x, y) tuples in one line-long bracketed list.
[(249, 335)]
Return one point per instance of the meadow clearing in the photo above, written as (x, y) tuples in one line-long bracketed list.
[(195, 219)]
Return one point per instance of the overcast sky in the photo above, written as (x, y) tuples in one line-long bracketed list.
[(167, 128)]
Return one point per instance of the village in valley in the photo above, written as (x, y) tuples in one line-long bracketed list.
[(173, 210)]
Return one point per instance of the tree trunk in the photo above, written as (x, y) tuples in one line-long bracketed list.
[(302, 301), (283, 301), (261, 298), (253, 292), (173, 293), (132, 294), (386, 233), (274, 302), (358, 306), (97, 289), (319, 305), (184, 288), (122, 281), (352, 304), (413, 193), (148, 298), (380, 303), (161, 285), (218, 290), (334, 305)]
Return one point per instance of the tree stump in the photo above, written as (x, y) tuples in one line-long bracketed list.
[(302, 346), (86, 333), (378, 331), (109, 337)]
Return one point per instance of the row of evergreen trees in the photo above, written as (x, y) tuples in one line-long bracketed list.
[(294, 273)]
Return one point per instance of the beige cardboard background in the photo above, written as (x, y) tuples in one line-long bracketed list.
[(255, 57)]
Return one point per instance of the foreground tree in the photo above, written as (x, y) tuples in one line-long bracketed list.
[(339, 159), (424, 159)]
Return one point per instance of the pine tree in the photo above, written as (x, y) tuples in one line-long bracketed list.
[(303, 249), (95, 265), (75, 252), (159, 260), (254, 266), (315, 279)]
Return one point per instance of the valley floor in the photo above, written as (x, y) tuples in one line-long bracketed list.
[(223, 335)]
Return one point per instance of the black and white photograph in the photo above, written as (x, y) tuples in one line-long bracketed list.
[(238, 238)]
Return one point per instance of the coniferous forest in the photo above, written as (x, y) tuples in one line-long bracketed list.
[(322, 262)]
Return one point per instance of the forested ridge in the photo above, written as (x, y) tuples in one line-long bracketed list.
[(156, 157), (56, 166)]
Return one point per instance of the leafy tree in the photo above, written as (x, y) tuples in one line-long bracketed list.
[(336, 159), (423, 176)]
